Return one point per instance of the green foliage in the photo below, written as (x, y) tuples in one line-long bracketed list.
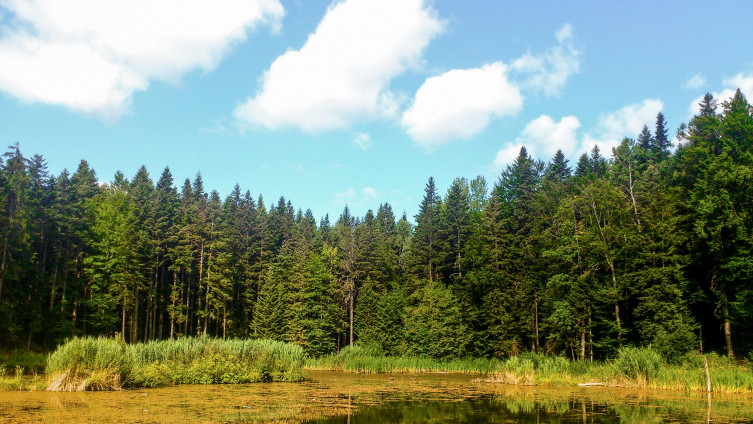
[(31, 362), (433, 325)]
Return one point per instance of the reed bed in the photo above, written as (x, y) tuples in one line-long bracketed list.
[(632, 367), (363, 360), (90, 363)]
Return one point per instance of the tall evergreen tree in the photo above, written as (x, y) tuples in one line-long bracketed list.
[(425, 244)]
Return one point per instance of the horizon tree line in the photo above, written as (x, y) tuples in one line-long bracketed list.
[(649, 247)]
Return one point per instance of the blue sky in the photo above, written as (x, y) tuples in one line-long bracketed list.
[(352, 101)]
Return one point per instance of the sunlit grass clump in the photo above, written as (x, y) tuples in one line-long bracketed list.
[(90, 363)]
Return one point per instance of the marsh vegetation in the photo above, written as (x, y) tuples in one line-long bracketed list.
[(107, 364)]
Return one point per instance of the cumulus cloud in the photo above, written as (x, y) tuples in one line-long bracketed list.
[(363, 141), (625, 122), (542, 137), (695, 82), (459, 104), (92, 55), (742, 81), (343, 71), (548, 72)]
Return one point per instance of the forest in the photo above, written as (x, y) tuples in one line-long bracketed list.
[(649, 245)]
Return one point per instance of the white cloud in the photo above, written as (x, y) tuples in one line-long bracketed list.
[(369, 193), (363, 141), (626, 122), (549, 71), (459, 104), (542, 137), (545, 136), (506, 155), (343, 71), (216, 129), (695, 82), (346, 196), (742, 81), (92, 55), (366, 197)]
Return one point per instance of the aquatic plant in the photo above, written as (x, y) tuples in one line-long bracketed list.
[(368, 360), (106, 364), (632, 367)]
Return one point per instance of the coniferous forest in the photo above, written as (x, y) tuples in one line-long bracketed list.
[(651, 244)]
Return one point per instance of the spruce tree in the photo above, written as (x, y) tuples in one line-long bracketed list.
[(425, 243)]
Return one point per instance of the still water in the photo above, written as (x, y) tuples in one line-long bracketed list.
[(333, 397)]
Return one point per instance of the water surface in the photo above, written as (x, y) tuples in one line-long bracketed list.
[(333, 397)]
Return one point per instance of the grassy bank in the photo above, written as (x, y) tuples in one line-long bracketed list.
[(633, 367), (106, 364), (360, 359)]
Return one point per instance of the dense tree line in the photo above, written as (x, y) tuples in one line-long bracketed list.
[(650, 246)]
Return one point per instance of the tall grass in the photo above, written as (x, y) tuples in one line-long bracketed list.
[(632, 367), (363, 359), (105, 364)]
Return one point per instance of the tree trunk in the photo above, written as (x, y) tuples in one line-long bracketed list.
[(187, 322), (631, 184), (352, 301), (122, 323), (583, 344), (727, 327), (201, 281), (536, 323), (206, 302), (73, 318), (135, 328), (616, 303), (590, 335), (173, 298), (5, 256), (54, 279), (65, 280)]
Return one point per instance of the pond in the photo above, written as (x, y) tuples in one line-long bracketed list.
[(334, 397)]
